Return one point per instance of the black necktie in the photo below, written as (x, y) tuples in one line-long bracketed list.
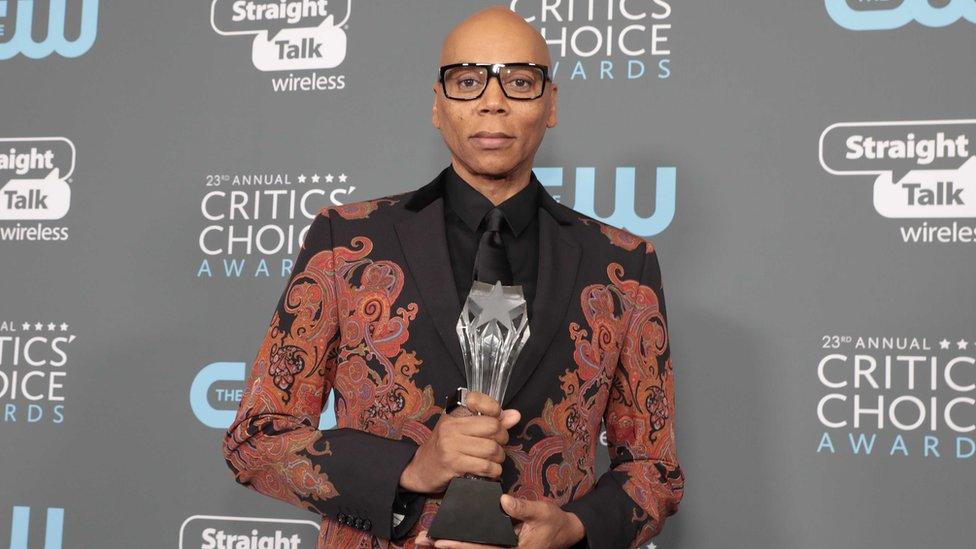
[(490, 261)]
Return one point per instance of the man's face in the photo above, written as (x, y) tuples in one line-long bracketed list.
[(523, 123)]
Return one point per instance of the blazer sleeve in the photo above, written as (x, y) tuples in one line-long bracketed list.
[(274, 446), (630, 502)]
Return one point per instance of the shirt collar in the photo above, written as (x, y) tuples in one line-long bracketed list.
[(424, 196), (471, 206)]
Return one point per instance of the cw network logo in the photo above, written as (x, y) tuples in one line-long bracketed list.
[(17, 21), (624, 215), (217, 389), (20, 525), (891, 14)]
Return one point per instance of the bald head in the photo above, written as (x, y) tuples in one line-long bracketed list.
[(494, 35), (493, 138)]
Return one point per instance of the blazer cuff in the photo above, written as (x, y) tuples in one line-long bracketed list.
[(605, 512), (365, 469)]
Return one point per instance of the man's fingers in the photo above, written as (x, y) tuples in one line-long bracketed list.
[(482, 447), (422, 540), (478, 426), (452, 544), (478, 466), (487, 426), (510, 417), (479, 402), (519, 508)]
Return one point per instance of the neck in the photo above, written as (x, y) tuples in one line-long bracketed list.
[(496, 188)]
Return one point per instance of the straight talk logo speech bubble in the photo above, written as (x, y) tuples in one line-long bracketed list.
[(34, 175), (861, 15), (230, 532), (288, 34), (922, 168)]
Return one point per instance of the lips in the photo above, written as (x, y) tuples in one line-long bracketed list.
[(491, 134), (492, 140)]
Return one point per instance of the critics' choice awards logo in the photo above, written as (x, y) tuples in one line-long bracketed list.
[(255, 223), (897, 396), (603, 40), (289, 35), (922, 170), (19, 18), (34, 177), (582, 184), (221, 532), (50, 529), (33, 371), (218, 388), (890, 14)]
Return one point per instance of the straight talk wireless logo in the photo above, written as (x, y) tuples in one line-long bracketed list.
[(924, 173), (226, 532), (298, 36), (35, 173)]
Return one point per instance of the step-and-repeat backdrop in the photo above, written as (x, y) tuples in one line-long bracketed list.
[(805, 169)]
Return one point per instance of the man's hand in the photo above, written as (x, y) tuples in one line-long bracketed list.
[(460, 445), (542, 525)]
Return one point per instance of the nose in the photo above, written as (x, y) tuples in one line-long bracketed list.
[(493, 100)]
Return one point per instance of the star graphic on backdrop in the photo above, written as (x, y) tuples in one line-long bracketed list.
[(315, 178), (38, 325), (494, 306), (329, 178), (342, 178), (961, 343), (51, 325), (64, 326), (944, 344), (301, 178)]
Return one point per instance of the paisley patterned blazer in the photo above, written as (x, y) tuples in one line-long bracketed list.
[(368, 315)]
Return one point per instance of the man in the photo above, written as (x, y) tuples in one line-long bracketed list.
[(369, 314)]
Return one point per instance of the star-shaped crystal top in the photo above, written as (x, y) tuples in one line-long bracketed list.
[(498, 305), (492, 329)]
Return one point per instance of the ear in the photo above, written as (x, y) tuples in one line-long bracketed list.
[(435, 117), (551, 120)]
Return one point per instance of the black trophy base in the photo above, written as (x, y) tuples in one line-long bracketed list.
[(472, 511)]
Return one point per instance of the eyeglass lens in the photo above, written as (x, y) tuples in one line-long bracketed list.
[(517, 82)]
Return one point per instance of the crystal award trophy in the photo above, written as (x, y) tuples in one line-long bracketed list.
[(492, 329)]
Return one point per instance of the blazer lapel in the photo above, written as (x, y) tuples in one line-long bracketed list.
[(424, 244), (559, 256)]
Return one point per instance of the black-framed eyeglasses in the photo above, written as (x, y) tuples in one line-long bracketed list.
[(468, 81)]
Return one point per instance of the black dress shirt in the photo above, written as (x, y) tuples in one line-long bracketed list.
[(464, 211)]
